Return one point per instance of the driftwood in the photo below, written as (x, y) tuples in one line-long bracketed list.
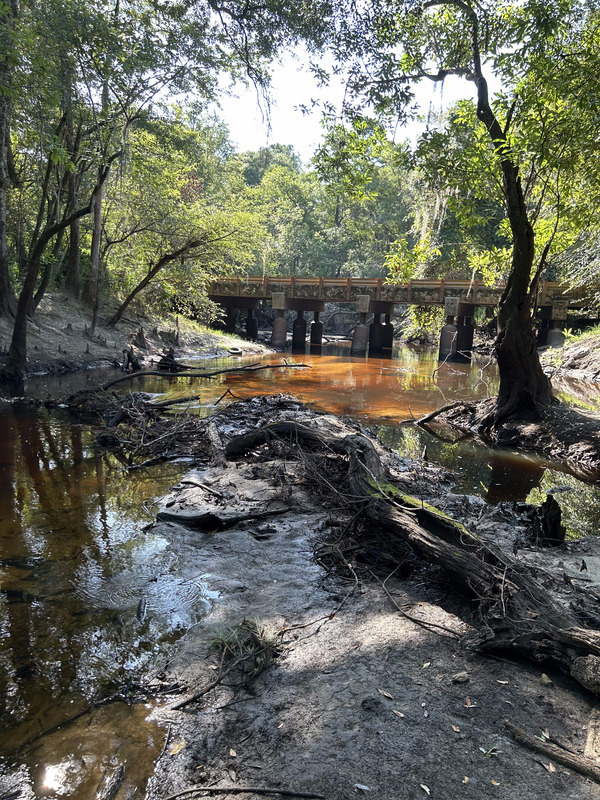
[(210, 521), (580, 764), (110, 783), (516, 613), (198, 373)]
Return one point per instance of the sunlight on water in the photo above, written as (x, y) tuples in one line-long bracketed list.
[(77, 562)]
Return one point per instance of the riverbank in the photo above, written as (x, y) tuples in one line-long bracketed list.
[(579, 359), (59, 338), (366, 685)]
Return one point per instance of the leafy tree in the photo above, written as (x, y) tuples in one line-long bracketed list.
[(527, 144), (166, 218), (76, 80)]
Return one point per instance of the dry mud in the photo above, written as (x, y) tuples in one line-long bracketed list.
[(361, 700), (58, 337)]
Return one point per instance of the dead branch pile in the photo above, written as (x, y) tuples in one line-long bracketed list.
[(519, 611), (139, 433)]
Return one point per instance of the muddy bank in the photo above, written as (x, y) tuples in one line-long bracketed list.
[(579, 359), (59, 338), (562, 434), (368, 688)]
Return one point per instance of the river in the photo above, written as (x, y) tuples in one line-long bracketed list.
[(91, 598)]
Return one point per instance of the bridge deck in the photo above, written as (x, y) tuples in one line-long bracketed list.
[(415, 292)]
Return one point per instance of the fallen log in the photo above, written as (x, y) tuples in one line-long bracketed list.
[(197, 373), (515, 613), (581, 764), (209, 521), (110, 783)]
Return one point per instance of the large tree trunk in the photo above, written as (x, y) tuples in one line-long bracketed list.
[(72, 277), (523, 386), (91, 289), (8, 17)]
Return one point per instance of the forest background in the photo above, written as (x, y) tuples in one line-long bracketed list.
[(116, 179)]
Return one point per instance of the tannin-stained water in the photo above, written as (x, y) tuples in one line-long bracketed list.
[(90, 600)]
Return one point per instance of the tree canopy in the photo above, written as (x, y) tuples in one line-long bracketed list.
[(114, 178)]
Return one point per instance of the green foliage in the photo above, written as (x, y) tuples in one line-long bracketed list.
[(404, 262)]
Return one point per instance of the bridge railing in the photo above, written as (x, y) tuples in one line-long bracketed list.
[(415, 292)]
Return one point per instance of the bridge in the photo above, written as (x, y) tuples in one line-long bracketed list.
[(376, 296)]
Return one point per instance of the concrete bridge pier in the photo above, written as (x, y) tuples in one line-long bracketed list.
[(251, 326), (280, 325), (316, 330), (552, 319), (375, 335), (360, 340), (230, 320), (449, 333), (465, 330), (299, 332), (381, 337), (448, 337), (388, 333)]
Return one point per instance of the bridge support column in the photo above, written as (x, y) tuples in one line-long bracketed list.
[(230, 319), (280, 326), (552, 320), (556, 337), (251, 326), (449, 333), (464, 333), (376, 335), (316, 330), (280, 329), (448, 336), (360, 340), (299, 332), (388, 333)]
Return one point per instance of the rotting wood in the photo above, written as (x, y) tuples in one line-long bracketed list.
[(581, 764), (243, 790), (110, 783), (516, 613), (210, 521), (216, 445)]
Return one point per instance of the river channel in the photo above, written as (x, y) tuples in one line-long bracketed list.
[(91, 599)]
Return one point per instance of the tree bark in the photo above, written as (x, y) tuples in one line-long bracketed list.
[(72, 276), (524, 387), (92, 285), (8, 19), (15, 367)]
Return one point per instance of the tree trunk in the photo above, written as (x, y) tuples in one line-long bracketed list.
[(47, 273), (16, 365), (72, 278), (523, 386), (8, 17), (91, 289)]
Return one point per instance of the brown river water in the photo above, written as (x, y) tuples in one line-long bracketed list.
[(90, 600)]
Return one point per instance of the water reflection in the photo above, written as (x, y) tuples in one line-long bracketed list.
[(75, 563)]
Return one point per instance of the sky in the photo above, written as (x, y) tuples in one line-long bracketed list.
[(294, 86)]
